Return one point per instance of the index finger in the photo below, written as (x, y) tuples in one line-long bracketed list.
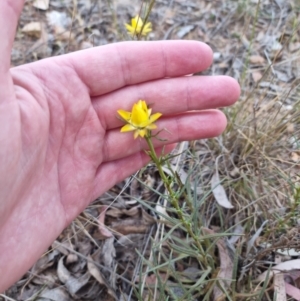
[(107, 68)]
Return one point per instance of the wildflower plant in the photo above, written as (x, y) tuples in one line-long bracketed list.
[(138, 27), (141, 121)]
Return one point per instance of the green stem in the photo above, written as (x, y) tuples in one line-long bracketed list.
[(172, 196)]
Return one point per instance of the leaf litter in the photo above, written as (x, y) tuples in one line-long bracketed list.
[(128, 244)]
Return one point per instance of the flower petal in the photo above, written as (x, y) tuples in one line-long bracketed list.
[(130, 29), (134, 22), (124, 114), (127, 128), (142, 132), (138, 22), (151, 126), (147, 28), (154, 117), (143, 104), (137, 26), (139, 119), (138, 115)]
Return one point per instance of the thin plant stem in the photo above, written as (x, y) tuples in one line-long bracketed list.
[(173, 198)]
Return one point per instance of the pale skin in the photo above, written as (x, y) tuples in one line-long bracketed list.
[(60, 140)]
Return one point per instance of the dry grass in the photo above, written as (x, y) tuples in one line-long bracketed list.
[(150, 255)]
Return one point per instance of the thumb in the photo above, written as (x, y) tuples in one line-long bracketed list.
[(9, 14), (10, 11)]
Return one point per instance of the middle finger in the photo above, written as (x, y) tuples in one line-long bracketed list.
[(168, 96)]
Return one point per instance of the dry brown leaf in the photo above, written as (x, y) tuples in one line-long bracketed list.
[(295, 275), (134, 220), (48, 277), (42, 264), (33, 29), (71, 258), (237, 232), (226, 268), (219, 191), (184, 30), (116, 212), (72, 283), (41, 4), (130, 226), (101, 220), (40, 48), (95, 272), (56, 294), (290, 128), (295, 157), (257, 60), (256, 75), (294, 46), (251, 242), (108, 252), (62, 272), (62, 34), (289, 265), (279, 284), (60, 248), (292, 291), (134, 225)]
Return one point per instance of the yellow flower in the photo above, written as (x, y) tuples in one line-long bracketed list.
[(137, 25), (139, 119)]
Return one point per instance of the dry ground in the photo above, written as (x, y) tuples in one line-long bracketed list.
[(129, 245)]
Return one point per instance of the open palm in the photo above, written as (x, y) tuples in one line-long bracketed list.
[(61, 145)]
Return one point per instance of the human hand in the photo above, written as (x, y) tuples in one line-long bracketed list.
[(61, 145)]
